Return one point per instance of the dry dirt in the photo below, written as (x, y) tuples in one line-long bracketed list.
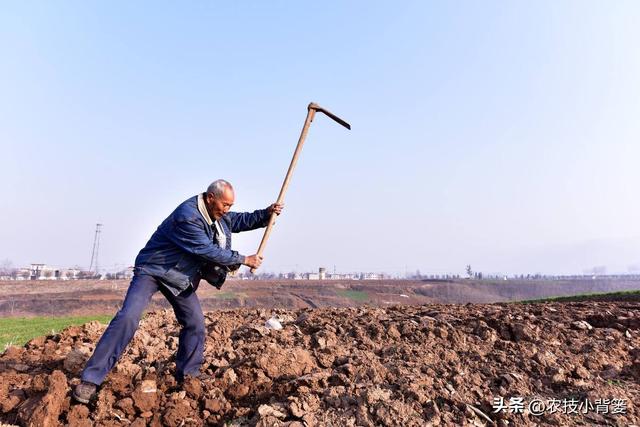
[(420, 365)]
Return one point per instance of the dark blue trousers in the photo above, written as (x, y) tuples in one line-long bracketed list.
[(186, 307)]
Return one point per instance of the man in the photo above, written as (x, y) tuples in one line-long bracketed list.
[(195, 240)]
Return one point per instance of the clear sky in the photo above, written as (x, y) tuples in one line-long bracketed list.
[(499, 134)]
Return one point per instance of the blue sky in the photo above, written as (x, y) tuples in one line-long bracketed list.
[(498, 134)]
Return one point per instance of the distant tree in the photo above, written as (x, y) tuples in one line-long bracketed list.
[(47, 274), (266, 276), (469, 271), (6, 267), (85, 275)]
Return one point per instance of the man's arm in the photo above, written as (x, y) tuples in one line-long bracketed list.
[(189, 236), (247, 221)]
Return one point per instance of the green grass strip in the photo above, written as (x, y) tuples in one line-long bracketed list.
[(354, 295), (581, 297), (226, 295), (18, 330)]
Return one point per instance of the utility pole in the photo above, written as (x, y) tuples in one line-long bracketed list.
[(96, 248)]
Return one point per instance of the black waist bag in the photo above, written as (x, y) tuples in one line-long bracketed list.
[(216, 274)]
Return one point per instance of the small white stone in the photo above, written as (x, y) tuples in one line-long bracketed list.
[(273, 323)]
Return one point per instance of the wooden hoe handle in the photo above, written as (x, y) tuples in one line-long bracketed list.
[(285, 184), (311, 111)]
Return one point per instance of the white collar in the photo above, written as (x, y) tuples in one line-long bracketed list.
[(203, 209)]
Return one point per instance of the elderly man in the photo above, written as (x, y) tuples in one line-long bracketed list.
[(193, 242)]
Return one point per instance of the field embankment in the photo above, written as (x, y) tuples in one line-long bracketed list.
[(78, 298)]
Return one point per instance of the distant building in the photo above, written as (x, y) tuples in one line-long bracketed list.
[(44, 272), (343, 276)]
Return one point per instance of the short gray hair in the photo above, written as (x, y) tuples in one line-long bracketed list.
[(218, 186)]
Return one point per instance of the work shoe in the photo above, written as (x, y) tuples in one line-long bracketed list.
[(189, 377), (84, 392)]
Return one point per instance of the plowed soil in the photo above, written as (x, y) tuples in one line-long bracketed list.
[(420, 365)]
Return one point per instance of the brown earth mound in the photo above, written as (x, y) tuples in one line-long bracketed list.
[(408, 365)]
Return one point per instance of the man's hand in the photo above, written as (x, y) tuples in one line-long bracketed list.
[(276, 207), (253, 261)]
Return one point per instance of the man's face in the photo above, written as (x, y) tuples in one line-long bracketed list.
[(218, 206)]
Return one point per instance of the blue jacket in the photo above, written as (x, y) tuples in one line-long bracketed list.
[(184, 242)]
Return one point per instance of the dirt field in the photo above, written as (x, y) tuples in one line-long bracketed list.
[(422, 365), (55, 298)]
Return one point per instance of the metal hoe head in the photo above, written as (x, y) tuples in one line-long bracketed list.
[(316, 107)]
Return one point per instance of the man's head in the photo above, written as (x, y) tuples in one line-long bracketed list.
[(219, 198)]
